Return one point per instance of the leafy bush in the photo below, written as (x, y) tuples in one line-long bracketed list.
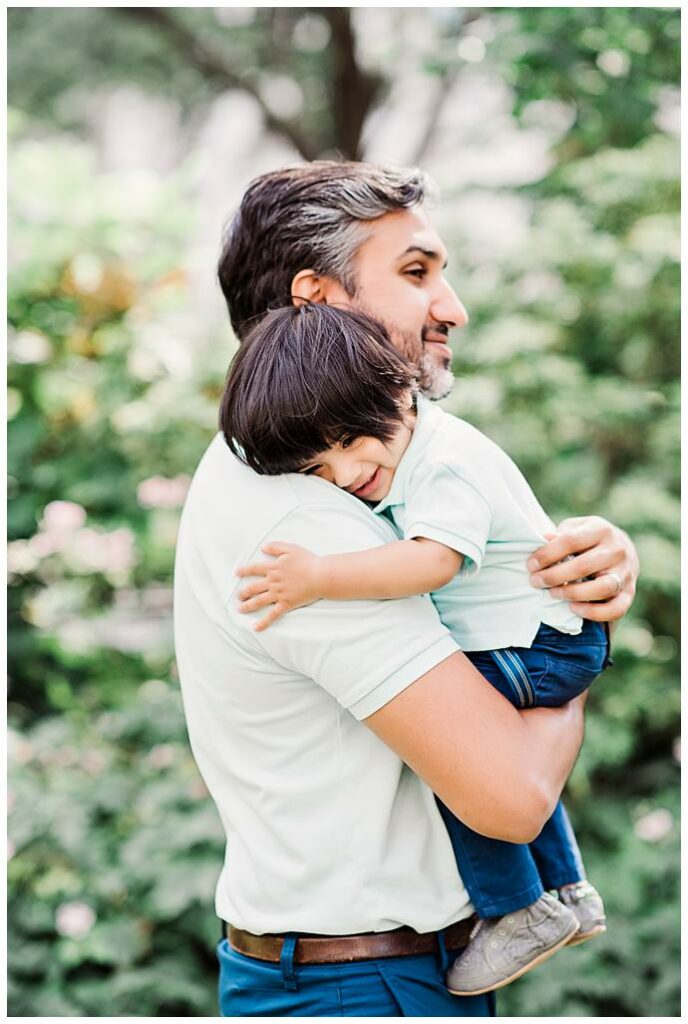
[(116, 853)]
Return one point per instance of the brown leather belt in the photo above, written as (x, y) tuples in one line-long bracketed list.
[(341, 949)]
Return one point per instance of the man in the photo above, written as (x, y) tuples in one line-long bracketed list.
[(323, 739)]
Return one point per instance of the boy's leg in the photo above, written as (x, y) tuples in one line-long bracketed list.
[(556, 852), (500, 877), (558, 667), (410, 986)]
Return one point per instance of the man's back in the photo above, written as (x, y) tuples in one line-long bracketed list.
[(328, 831)]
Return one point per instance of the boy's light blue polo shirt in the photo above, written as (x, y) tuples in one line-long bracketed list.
[(456, 486)]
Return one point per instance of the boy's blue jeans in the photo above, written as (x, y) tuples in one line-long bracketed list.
[(502, 877)]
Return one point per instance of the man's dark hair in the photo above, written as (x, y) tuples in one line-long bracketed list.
[(308, 377), (308, 217)]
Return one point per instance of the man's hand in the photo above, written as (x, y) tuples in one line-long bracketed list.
[(289, 582), (590, 547)]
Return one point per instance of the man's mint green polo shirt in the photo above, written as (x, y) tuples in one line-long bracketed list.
[(328, 831), (456, 486)]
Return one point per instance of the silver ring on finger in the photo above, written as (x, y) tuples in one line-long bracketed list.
[(619, 584)]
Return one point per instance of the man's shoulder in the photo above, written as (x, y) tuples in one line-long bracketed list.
[(228, 499)]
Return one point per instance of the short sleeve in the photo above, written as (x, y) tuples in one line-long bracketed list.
[(444, 504), (363, 653)]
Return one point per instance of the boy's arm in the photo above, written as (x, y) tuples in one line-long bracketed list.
[(297, 577), (399, 569)]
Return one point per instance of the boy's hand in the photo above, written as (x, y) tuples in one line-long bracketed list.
[(288, 582)]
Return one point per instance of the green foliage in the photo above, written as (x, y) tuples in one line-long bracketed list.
[(570, 362), (116, 852), (608, 63)]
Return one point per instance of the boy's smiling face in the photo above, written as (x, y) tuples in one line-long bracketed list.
[(363, 466)]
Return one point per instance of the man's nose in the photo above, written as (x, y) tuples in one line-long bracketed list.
[(447, 308)]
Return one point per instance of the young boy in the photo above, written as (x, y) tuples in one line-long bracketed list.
[(318, 390)]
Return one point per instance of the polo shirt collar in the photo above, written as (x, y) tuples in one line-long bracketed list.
[(427, 417)]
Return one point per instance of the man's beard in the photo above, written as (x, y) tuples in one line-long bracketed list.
[(435, 380)]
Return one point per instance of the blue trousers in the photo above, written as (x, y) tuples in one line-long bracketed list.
[(502, 877), (405, 986)]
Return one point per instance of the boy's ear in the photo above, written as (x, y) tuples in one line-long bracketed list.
[(309, 286)]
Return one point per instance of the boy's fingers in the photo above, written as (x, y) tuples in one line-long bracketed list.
[(253, 604), (259, 587), (277, 547), (275, 613), (257, 569)]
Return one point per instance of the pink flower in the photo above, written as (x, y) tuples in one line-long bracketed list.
[(654, 826), (98, 551), (63, 516), (21, 557), (163, 492), (93, 762), (74, 920), (44, 544), (162, 755)]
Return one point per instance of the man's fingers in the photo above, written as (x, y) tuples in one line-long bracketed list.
[(273, 615), (602, 588), (574, 536), (563, 545), (597, 560), (260, 587), (603, 611), (256, 569)]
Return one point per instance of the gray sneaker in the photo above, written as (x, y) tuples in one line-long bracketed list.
[(586, 903), (503, 948)]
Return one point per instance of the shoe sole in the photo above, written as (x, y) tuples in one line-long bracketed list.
[(523, 970), (578, 937)]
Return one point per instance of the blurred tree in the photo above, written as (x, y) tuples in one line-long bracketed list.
[(608, 64)]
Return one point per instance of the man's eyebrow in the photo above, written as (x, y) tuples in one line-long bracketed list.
[(430, 253)]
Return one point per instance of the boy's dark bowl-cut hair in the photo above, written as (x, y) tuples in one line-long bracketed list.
[(308, 377)]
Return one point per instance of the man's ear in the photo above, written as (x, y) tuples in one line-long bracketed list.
[(309, 286), (306, 286)]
